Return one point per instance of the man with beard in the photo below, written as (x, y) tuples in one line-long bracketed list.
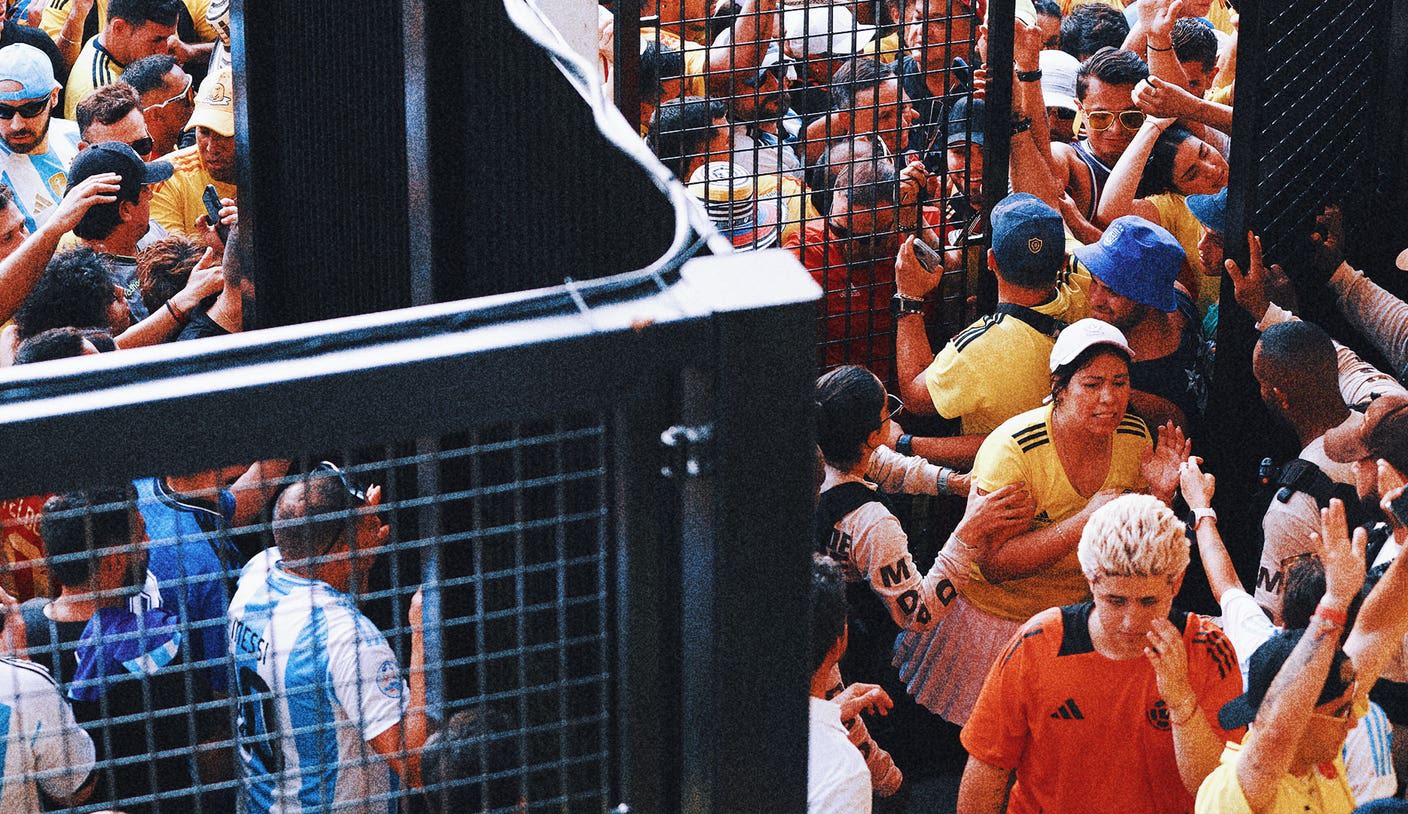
[(748, 68), (37, 147), (177, 203)]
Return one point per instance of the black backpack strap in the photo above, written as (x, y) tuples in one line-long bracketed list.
[(1300, 475), (1039, 322), (837, 502)]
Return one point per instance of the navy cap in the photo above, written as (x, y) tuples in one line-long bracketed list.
[(1210, 210), (1265, 663), (965, 123), (114, 156), (1137, 260), (1028, 239)]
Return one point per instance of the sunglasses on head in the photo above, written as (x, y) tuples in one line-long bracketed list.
[(25, 111), (184, 94), (356, 495), (1131, 119)]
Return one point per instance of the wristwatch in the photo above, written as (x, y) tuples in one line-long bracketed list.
[(901, 305), (1029, 76), (1199, 514), (905, 446)]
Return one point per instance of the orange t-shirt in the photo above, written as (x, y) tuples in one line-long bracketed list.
[(1087, 733)]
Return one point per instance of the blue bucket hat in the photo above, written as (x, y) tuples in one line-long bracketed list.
[(1137, 260), (1210, 210)]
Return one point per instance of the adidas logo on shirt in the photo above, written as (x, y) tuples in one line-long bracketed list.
[(1068, 711)]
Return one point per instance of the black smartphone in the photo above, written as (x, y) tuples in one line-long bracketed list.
[(1399, 507), (212, 211)]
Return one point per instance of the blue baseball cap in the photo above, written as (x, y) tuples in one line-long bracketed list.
[(965, 122), (29, 67), (1028, 239), (1210, 210), (1137, 260)]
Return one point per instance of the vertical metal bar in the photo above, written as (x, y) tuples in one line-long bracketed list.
[(627, 57), (997, 142), (431, 527), (418, 188)]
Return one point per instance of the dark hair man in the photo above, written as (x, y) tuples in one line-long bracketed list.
[(168, 97), (1105, 95), (294, 625), (114, 229), (112, 113), (1090, 27), (135, 29)]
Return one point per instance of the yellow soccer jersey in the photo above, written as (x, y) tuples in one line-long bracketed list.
[(1000, 366), (176, 202), (94, 68), (56, 12), (1021, 450)]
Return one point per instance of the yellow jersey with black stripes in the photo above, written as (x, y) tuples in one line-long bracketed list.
[(1021, 450), (1000, 366), (94, 68), (56, 13)]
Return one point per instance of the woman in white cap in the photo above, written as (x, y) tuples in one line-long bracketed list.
[(1074, 454)]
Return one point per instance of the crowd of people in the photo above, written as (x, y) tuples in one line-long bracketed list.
[(157, 655), (851, 133), (144, 634)]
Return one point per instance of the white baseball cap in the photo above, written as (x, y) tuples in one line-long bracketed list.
[(824, 29), (1075, 338)]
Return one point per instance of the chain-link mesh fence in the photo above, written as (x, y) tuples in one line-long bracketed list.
[(420, 596)]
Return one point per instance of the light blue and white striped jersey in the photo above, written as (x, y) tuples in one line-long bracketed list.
[(38, 179), (316, 682), (39, 740)]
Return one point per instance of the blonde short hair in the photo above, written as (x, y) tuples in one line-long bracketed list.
[(1133, 536)]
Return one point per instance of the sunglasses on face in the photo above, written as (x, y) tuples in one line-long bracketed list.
[(142, 146), (25, 111), (185, 94), (1064, 114), (1102, 119)]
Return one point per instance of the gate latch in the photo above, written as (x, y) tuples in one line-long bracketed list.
[(687, 450)]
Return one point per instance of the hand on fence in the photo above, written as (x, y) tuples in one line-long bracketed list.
[(1327, 242), (1250, 288)]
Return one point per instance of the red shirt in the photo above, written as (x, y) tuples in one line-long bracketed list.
[(854, 314)]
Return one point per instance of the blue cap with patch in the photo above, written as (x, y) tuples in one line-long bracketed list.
[(1028, 239), (1137, 260), (28, 66)]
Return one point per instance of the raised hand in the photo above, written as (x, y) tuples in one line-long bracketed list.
[(91, 191), (1161, 99), (1342, 556), (1161, 464), (911, 279), (1250, 288), (1197, 486), (1327, 241)]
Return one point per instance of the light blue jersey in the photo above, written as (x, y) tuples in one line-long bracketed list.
[(39, 740), (316, 682), (38, 179)]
